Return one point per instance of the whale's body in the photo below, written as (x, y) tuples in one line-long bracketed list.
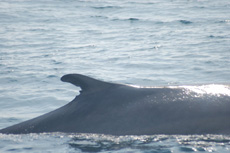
[(117, 109)]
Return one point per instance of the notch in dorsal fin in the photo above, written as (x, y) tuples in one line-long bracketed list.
[(86, 83)]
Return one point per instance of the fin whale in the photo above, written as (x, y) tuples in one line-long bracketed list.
[(117, 109)]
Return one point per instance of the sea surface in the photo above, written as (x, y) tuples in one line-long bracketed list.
[(137, 42)]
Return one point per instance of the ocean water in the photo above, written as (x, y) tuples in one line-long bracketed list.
[(146, 43)]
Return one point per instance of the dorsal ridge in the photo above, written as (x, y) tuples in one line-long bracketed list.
[(85, 83)]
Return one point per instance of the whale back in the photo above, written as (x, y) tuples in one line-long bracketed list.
[(117, 109)]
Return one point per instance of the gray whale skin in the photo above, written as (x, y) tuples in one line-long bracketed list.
[(116, 109)]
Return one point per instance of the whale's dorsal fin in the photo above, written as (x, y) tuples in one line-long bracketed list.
[(86, 83)]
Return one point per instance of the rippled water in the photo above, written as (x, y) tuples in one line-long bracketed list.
[(58, 142), (147, 43)]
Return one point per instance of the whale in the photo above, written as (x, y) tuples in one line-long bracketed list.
[(119, 109)]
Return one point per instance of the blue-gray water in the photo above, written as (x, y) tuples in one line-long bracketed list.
[(148, 43)]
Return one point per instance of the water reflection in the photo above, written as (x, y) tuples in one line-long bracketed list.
[(153, 143)]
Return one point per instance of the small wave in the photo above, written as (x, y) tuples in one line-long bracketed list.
[(185, 22), (104, 7), (224, 21), (99, 16), (133, 19), (97, 143), (52, 76), (187, 149), (127, 19), (212, 36)]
